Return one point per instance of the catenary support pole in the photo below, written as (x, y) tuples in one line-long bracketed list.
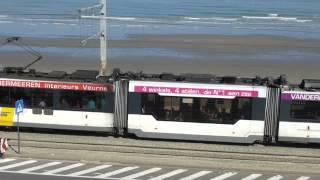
[(103, 38)]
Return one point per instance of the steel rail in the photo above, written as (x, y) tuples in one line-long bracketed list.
[(167, 151)]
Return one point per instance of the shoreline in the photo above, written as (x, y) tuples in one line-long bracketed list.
[(185, 41), (295, 72), (247, 56)]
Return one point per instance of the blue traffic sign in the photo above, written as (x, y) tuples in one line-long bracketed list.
[(19, 106)]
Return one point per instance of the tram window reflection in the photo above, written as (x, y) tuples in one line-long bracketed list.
[(305, 110), (200, 110), (87, 101), (4, 97), (20, 93), (41, 99)]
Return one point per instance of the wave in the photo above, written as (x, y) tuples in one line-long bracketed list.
[(273, 15), (67, 20), (136, 19), (122, 18), (276, 17), (3, 16), (211, 18), (56, 23), (32, 24), (48, 20), (6, 22), (136, 25)]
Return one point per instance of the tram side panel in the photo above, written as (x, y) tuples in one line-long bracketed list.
[(58, 109), (300, 117), (168, 114)]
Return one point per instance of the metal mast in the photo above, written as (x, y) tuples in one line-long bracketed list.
[(103, 33), (103, 38)]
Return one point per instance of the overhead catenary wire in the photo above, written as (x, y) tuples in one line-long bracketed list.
[(19, 43), (87, 30), (28, 48)]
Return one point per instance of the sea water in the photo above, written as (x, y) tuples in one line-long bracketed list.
[(54, 18), (60, 18)]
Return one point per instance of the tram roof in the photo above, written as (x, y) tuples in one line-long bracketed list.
[(307, 85), (91, 76), (200, 78), (76, 76)]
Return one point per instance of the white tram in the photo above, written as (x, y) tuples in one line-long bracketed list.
[(56, 101), (197, 111), (185, 107)]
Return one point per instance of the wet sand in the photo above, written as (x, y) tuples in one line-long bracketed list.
[(220, 55)]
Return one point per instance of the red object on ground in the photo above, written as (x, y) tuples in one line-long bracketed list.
[(4, 146)]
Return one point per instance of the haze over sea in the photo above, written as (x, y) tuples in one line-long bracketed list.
[(52, 18)]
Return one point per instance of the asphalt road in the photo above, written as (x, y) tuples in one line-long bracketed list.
[(34, 169), (14, 176)]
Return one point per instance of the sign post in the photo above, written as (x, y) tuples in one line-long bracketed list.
[(19, 109)]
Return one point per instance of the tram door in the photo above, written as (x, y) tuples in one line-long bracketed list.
[(271, 122), (313, 125), (305, 115), (314, 132), (293, 126), (120, 123)]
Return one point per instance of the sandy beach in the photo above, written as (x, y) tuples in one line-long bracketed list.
[(220, 55)]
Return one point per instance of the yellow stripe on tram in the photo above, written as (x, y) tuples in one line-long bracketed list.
[(6, 116)]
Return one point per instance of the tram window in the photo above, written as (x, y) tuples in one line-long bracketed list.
[(187, 100), (20, 93), (175, 101), (148, 104), (41, 98), (216, 111), (151, 98), (244, 108), (104, 102), (171, 108), (109, 102), (74, 100), (86, 101), (70, 100), (162, 108), (4, 97), (200, 110), (167, 109), (305, 110), (186, 112), (89, 102)]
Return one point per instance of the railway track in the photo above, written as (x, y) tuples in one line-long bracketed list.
[(177, 152), (98, 148), (182, 150)]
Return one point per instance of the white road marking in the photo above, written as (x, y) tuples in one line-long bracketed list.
[(39, 167), (17, 165), (6, 160), (196, 175), (277, 177), (148, 171), (303, 178), (119, 171), (63, 169), (79, 173), (252, 176), (169, 174), (224, 176)]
